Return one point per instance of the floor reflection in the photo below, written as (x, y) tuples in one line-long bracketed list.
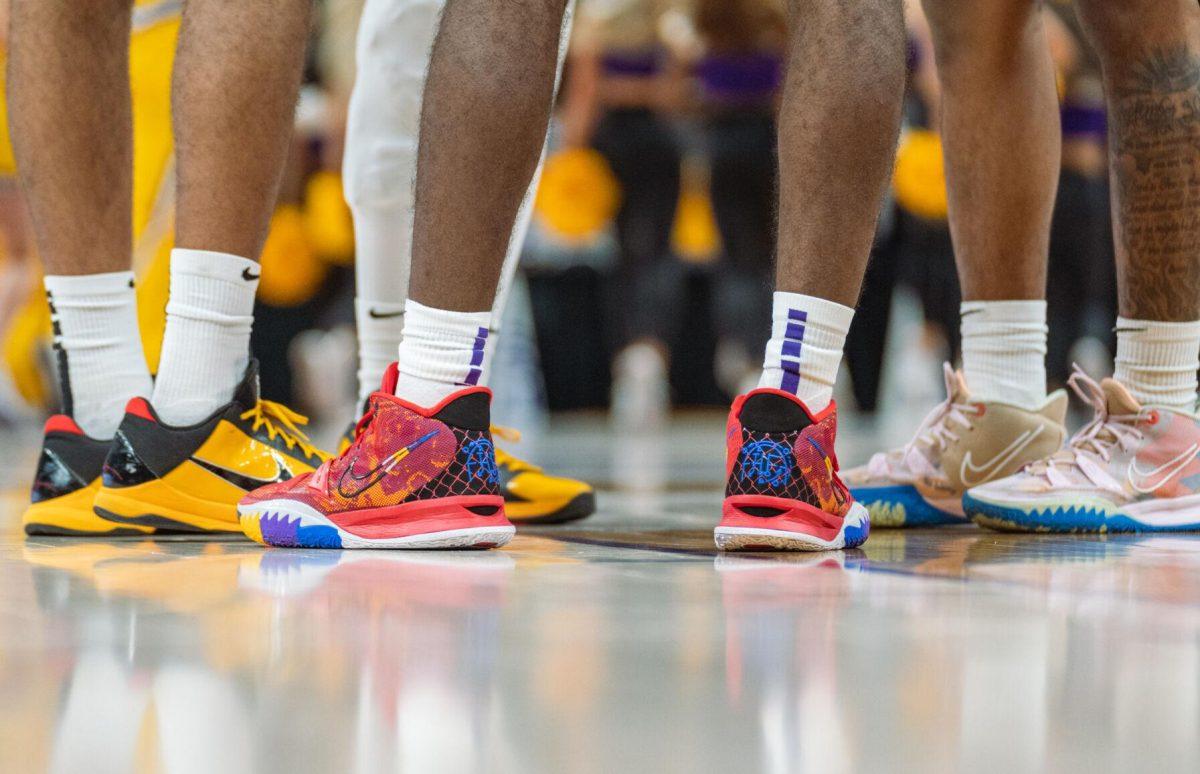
[(625, 644)]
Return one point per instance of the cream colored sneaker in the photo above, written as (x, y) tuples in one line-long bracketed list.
[(961, 444)]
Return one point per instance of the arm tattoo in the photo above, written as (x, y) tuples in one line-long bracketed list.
[(1155, 147)]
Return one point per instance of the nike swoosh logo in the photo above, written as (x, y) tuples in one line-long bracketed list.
[(243, 481), (1171, 468), (972, 475), (249, 276), (376, 474), (377, 315)]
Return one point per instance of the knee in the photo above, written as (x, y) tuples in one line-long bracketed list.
[(981, 34), (1123, 29)]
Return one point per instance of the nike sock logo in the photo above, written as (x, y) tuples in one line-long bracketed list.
[(246, 275), (376, 314)]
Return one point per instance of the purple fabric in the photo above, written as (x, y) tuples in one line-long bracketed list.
[(632, 63), (740, 77), (1080, 120)]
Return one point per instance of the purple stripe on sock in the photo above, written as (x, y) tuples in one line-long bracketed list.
[(791, 376), (477, 357), (793, 342)]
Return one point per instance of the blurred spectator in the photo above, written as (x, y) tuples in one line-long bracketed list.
[(621, 79), (738, 78)]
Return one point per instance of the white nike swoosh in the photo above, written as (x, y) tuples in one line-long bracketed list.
[(989, 468), (1175, 466)]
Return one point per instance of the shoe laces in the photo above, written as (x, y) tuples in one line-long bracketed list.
[(1095, 442), (938, 430), (506, 460), (280, 421)]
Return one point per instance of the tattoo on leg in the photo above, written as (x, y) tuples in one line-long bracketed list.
[(1155, 146)]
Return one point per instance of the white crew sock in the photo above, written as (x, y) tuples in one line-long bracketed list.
[(441, 352), (99, 347), (805, 349), (206, 346), (1004, 351), (380, 324), (1157, 361)]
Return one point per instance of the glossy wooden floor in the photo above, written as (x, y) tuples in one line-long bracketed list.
[(620, 644)]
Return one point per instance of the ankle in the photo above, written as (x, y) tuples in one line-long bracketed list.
[(441, 352), (1157, 361), (805, 349), (1004, 351)]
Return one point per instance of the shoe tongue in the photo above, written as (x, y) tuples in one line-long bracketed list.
[(1118, 399), (247, 392), (956, 386)]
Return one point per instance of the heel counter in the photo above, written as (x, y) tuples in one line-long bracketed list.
[(53, 478), (123, 467)]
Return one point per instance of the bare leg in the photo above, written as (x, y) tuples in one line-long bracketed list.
[(1002, 141), (837, 139), (394, 40), (237, 74), (72, 129), (483, 123), (1150, 52), (1150, 56)]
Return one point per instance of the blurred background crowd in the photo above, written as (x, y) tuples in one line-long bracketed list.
[(646, 279)]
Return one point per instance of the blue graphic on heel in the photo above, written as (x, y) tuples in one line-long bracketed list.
[(855, 536)]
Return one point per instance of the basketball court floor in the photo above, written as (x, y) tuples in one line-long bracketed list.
[(620, 644)]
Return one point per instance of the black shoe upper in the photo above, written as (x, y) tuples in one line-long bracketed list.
[(146, 448), (69, 462)]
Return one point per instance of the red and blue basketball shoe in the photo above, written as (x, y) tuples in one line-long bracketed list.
[(413, 478), (782, 489)]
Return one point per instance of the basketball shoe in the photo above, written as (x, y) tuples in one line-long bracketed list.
[(413, 478), (531, 495), (1131, 469), (782, 489), (962, 443), (66, 482), (190, 479)]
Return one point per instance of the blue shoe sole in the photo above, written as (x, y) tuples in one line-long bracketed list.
[(1003, 518), (901, 506)]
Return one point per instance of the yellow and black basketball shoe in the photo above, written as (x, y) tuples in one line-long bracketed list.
[(66, 482), (531, 496), (190, 478)]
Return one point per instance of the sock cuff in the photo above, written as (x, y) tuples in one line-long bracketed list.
[(433, 320), (1157, 330), (831, 313), (61, 285), (211, 264)]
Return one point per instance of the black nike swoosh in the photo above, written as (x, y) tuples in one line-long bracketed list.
[(384, 315), (248, 483), (248, 276)]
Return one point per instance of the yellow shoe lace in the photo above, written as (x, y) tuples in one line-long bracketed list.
[(506, 460), (281, 421)]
